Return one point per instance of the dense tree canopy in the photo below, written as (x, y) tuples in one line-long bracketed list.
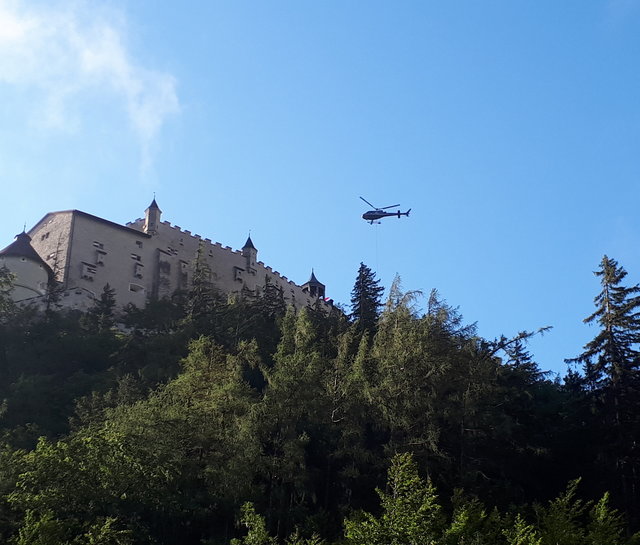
[(204, 420)]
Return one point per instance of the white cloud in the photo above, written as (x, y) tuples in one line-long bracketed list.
[(64, 52)]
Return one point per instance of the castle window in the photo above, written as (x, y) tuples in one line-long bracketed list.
[(51, 256), (45, 236), (98, 245), (100, 257), (184, 275), (88, 271), (136, 257), (137, 271), (136, 287), (139, 243), (237, 271)]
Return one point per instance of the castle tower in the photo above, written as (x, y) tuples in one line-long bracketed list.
[(313, 286), (250, 254), (152, 218), (32, 274)]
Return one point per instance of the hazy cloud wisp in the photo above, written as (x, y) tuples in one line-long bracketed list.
[(63, 53)]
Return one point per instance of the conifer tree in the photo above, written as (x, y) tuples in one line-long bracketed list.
[(610, 357), (611, 363), (290, 418), (201, 296), (365, 299), (101, 316), (410, 515)]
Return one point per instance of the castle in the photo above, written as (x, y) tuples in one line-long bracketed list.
[(147, 258)]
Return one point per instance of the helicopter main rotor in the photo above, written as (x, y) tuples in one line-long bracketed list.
[(376, 208)]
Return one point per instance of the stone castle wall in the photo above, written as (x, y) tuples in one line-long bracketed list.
[(31, 279), (87, 252), (50, 238)]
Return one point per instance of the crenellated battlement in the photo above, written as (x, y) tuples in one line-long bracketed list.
[(151, 257)]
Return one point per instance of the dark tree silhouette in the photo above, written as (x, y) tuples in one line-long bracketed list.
[(365, 299)]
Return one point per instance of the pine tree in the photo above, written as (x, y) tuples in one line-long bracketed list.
[(410, 515), (201, 297), (101, 316), (611, 363), (612, 355), (365, 299)]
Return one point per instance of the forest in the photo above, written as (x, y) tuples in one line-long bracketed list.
[(207, 419)]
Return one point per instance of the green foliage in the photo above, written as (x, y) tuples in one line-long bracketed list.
[(469, 522), (606, 526), (11, 465), (611, 365), (257, 533), (256, 528), (366, 299), (411, 513), (106, 533), (101, 316), (45, 529), (41, 529), (6, 303), (612, 352), (561, 521), (522, 533), (297, 539), (203, 300), (197, 407), (158, 317), (292, 411)]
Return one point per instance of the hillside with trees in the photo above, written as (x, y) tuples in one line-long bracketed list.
[(206, 419)]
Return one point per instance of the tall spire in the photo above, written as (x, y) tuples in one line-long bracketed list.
[(152, 217), (249, 243), (250, 253), (313, 279)]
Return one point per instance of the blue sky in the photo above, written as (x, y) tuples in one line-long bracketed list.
[(510, 128)]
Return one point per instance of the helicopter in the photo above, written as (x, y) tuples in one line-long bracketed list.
[(372, 215)]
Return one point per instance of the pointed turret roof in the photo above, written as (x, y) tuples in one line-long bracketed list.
[(154, 205), (249, 244), (313, 279), (21, 247)]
